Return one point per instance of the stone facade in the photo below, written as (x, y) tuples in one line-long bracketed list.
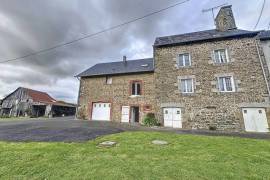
[(207, 106), (95, 89)]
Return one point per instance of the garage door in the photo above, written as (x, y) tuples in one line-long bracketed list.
[(101, 111), (255, 120), (172, 117)]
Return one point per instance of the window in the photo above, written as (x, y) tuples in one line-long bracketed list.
[(184, 60), (221, 56), (187, 86), (226, 84), (108, 80), (136, 88)]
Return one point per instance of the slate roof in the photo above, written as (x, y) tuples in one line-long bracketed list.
[(264, 35), (120, 67), (202, 36)]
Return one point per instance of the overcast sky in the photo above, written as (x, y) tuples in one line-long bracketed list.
[(27, 26)]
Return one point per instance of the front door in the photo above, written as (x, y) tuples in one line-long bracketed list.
[(135, 114), (255, 120), (172, 117), (125, 114)]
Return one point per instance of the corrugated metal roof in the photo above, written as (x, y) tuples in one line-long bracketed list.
[(120, 67), (39, 96), (202, 36)]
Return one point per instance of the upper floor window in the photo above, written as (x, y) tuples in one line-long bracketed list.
[(226, 84), (221, 56), (184, 60), (136, 88), (108, 80), (187, 85)]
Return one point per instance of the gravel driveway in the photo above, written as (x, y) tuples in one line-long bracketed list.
[(57, 129)]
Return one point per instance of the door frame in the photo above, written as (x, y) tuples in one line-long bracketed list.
[(91, 108), (131, 107), (244, 124), (181, 116)]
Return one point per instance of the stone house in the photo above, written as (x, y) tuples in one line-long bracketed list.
[(117, 91), (213, 79), (28, 102)]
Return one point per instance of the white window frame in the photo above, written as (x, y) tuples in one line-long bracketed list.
[(109, 80), (186, 85), (136, 88), (219, 56), (184, 62), (224, 84)]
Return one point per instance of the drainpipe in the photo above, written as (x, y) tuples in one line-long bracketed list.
[(264, 74), (78, 101)]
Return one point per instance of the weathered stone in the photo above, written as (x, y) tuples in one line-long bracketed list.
[(227, 114), (118, 94), (159, 142), (108, 143)]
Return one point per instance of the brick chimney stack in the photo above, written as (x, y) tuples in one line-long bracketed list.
[(125, 60), (225, 20)]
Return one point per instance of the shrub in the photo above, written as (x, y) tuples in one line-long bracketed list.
[(150, 120), (212, 128)]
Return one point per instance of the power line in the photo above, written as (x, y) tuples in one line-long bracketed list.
[(94, 34), (260, 15)]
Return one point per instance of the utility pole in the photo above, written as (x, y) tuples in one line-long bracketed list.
[(212, 10)]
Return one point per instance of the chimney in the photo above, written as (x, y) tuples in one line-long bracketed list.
[(225, 20), (125, 59)]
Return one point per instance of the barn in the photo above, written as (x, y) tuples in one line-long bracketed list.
[(28, 102)]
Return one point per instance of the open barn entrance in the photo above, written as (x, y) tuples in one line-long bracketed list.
[(38, 110)]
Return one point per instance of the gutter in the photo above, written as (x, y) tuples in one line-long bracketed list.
[(264, 74)]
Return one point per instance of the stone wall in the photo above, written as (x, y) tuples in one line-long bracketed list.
[(207, 106), (95, 89)]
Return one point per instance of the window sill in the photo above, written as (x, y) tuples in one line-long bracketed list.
[(135, 96), (187, 94), (226, 91), (184, 67), (222, 64)]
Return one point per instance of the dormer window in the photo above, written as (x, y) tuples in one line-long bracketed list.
[(184, 60), (221, 56)]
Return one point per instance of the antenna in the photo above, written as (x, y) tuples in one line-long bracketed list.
[(212, 9)]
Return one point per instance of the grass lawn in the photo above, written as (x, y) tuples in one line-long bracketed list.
[(186, 157)]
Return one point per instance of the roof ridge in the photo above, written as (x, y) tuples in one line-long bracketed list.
[(209, 30), (122, 61), (35, 90)]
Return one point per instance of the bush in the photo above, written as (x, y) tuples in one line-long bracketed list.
[(150, 120), (212, 128)]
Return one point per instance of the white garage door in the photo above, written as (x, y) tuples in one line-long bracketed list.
[(255, 120), (172, 117), (101, 111)]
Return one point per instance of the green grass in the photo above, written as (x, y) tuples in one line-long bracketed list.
[(186, 157)]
